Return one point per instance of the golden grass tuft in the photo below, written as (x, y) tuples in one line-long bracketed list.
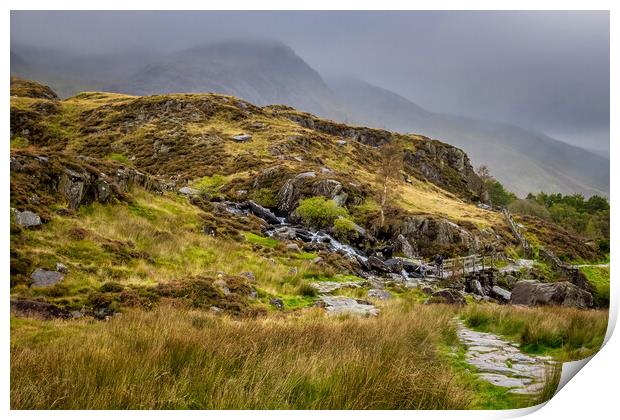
[(173, 358)]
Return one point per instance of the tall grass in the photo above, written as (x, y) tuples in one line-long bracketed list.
[(565, 333), (173, 358)]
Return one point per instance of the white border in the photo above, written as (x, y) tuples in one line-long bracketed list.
[(592, 395)]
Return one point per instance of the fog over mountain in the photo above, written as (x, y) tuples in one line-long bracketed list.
[(491, 83)]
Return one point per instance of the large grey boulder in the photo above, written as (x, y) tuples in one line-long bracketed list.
[(533, 293), (402, 246), (340, 305), (375, 264), (27, 218), (500, 294), (41, 277), (188, 191)]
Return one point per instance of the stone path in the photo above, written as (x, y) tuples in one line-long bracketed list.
[(502, 363)]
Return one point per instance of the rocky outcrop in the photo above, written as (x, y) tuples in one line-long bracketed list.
[(445, 166), (341, 305), (76, 183), (30, 89), (432, 235), (533, 293)]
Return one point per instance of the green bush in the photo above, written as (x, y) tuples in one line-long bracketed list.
[(265, 197), (498, 196), (319, 211), (344, 228)]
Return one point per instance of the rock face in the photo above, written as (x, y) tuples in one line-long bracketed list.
[(41, 277), (290, 193), (430, 235), (403, 247), (532, 293), (27, 218), (446, 166)]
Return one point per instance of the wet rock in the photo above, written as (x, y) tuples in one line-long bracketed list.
[(263, 213), (41, 277), (285, 233), (448, 296), (27, 218), (395, 265), (31, 308), (533, 293), (375, 264)]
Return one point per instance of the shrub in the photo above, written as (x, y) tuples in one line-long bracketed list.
[(265, 197), (319, 211), (498, 196), (344, 228)]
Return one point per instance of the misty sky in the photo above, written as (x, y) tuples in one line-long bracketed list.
[(545, 71)]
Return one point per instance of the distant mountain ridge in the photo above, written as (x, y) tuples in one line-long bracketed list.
[(271, 73)]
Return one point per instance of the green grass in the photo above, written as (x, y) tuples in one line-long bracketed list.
[(600, 279), (261, 240), (119, 157)]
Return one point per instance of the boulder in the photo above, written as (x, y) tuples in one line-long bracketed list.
[(403, 247), (375, 264), (289, 194), (263, 213), (242, 138), (500, 294), (188, 191), (285, 233), (41, 277), (448, 296), (395, 265), (27, 218), (533, 293)]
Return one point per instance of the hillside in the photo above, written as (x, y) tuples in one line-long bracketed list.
[(522, 160), (226, 243), (271, 73)]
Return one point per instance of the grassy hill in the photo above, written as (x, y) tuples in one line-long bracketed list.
[(204, 309)]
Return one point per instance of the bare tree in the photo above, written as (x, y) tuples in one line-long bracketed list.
[(388, 174), (484, 173)]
